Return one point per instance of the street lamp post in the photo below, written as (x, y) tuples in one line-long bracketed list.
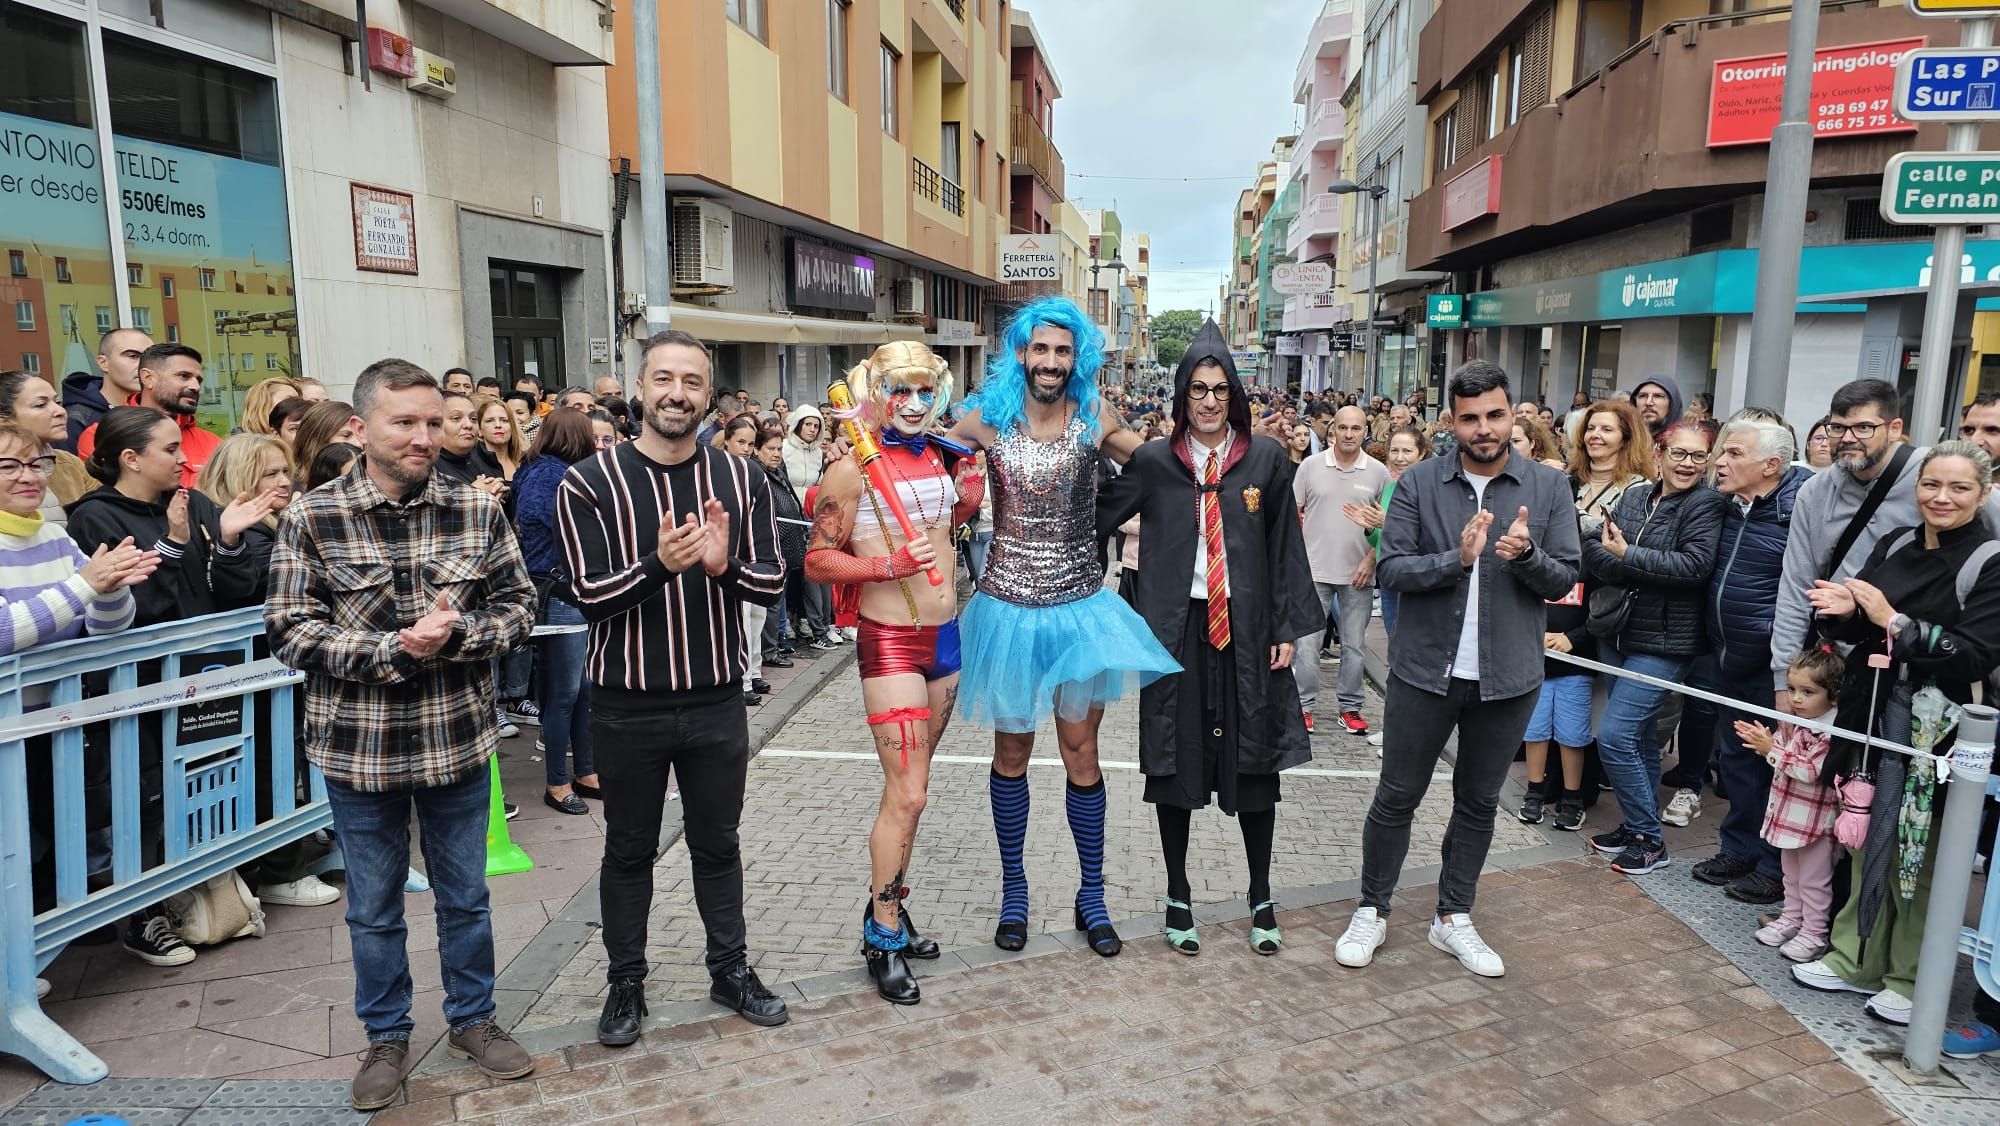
[(1372, 363)]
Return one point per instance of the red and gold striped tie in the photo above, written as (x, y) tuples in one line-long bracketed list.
[(1218, 567)]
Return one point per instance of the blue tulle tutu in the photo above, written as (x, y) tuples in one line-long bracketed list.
[(1024, 664)]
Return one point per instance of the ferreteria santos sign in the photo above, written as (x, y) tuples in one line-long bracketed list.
[(1936, 187)]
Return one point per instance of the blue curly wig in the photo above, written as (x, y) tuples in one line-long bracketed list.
[(1003, 397)]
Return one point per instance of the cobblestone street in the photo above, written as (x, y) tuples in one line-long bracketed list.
[(813, 793)]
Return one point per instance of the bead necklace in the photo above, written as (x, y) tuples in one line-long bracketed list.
[(917, 494)]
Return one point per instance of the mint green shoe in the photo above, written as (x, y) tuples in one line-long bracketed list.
[(1185, 941), (1265, 940)]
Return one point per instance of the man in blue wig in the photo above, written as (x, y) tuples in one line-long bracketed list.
[(1042, 638)]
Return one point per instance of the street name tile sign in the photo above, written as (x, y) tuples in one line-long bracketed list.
[(1955, 9), (1949, 84), (1939, 187)]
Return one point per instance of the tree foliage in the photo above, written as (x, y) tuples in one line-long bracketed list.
[(1172, 330)]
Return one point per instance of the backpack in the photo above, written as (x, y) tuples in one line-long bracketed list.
[(1968, 578), (217, 910)]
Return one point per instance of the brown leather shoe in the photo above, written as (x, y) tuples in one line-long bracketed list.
[(383, 1066), (488, 1045)]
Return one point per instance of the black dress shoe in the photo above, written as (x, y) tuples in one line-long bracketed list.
[(587, 791), (751, 699), (890, 971), (1102, 938), (779, 662), (739, 989), (760, 686), (1723, 869), (568, 803), (624, 1010), (1010, 935)]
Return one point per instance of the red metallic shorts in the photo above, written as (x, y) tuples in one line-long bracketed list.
[(887, 650)]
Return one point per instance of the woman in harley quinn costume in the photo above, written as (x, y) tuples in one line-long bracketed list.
[(908, 649)]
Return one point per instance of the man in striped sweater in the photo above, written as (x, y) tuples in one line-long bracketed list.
[(665, 538)]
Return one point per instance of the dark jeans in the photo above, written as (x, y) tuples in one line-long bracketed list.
[(374, 831), (565, 694), (810, 604), (1415, 725), (1745, 775), (1695, 739), (639, 737)]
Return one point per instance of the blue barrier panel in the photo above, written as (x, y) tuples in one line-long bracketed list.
[(1982, 943), (199, 684)]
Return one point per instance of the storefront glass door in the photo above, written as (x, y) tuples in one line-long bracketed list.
[(527, 324)]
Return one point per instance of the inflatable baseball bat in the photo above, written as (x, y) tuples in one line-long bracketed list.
[(869, 455)]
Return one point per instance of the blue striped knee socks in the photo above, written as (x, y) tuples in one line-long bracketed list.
[(1010, 829), (1086, 824)]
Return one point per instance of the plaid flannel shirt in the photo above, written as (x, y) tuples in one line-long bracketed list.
[(352, 567), (1801, 809)]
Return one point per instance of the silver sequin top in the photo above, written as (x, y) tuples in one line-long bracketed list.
[(1044, 519)]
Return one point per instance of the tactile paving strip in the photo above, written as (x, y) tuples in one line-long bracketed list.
[(186, 1093), (276, 1093), (1836, 1018), (191, 1102), (276, 1115)]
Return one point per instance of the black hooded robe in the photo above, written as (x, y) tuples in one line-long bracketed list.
[(1271, 600)]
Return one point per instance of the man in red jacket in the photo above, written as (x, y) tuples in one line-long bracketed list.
[(170, 382)]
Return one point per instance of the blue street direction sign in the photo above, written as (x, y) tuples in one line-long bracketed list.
[(1949, 84)]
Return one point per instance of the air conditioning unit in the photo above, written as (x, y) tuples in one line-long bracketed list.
[(435, 76), (704, 255), (909, 297)]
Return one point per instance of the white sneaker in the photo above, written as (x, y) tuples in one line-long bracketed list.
[(1454, 934), (1365, 934), (1685, 807), (1816, 975), (306, 891), (853, 633), (1375, 741), (1889, 1006), (507, 728)]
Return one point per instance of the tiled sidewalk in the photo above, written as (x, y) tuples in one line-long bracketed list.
[(1611, 1012), (281, 1007)]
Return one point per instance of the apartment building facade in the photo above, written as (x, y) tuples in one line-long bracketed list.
[(1594, 190), (838, 176), (261, 185), (1318, 83)]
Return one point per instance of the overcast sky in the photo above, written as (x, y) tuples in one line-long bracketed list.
[(1165, 89)]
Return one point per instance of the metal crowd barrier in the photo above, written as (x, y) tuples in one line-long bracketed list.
[(208, 675), (1969, 768)]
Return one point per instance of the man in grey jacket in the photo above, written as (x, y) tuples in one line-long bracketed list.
[(1863, 425), (1467, 655)]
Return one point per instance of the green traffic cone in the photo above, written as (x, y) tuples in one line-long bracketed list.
[(503, 856)]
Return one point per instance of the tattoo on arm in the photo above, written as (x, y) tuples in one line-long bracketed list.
[(830, 525)]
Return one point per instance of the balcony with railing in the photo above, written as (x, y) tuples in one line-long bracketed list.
[(1325, 129), (1309, 311), (957, 8), (1319, 218), (1034, 152), (1327, 40), (936, 187)]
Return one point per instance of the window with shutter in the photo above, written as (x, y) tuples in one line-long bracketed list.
[(1469, 115), (1536, 48)]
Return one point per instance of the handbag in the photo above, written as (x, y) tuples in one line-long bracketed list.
[(548, 585), (1610, 605), (217, 910)]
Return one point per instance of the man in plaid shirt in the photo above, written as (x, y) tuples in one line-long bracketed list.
[(393, 589)]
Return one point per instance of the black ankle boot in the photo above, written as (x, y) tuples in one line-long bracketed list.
[(890, 971)]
